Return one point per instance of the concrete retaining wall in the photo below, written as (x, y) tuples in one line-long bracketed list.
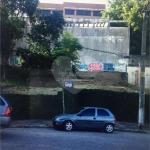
[(102, 44)]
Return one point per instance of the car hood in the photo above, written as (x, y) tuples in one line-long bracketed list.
[(65, 115)]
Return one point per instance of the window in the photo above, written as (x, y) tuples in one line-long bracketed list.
[(97, 13), (1, 102), (45, 12), (102, 112), (69, 12), (57, 11), (88, 112), (83, 13)]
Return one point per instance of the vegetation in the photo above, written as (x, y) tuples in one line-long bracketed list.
[(45, 31), (65, 54), (42, 40), (130, 11), (124, 105), (12, 14), (47, 42), (67, 46)]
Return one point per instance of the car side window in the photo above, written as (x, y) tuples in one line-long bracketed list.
[(2, 102), (102, 112), (88, 112)]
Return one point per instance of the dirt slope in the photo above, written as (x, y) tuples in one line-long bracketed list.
[(44, 82)]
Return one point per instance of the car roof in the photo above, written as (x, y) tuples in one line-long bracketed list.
[(93, 107)]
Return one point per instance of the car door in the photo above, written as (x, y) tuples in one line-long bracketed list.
[(86, 118), (102, 117)]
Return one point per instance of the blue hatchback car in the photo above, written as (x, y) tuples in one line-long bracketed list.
[(87, 117)]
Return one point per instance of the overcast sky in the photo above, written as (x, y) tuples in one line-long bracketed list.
[(76, 1)]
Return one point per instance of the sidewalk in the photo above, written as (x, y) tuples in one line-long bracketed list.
[(120, 126)]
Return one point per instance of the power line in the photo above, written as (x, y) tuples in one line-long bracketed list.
[(121, 54), (101, 51)]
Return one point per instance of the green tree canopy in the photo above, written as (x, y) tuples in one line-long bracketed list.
[(68, 45), (12, 14), (45, 32), (130, 11), (66, 52)]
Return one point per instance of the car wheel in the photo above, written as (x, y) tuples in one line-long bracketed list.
[(68, 125), (109, 128)]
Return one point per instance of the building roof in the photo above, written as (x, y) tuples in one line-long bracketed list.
[(84, 5), (71, 5), (50, 6)]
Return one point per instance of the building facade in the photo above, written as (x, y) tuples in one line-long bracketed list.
[(73, 10)]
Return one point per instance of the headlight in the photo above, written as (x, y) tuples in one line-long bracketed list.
[(57, 119)]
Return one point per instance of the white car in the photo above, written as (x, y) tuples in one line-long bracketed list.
[(5, 111)]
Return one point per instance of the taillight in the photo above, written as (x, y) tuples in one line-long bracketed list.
[(115, 120), (8, 110)]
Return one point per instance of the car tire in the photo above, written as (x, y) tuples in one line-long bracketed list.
[(68, 126), (109, 128)]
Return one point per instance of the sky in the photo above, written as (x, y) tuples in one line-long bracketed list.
[(75, 1)]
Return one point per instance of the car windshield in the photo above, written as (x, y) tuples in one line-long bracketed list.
[(77, 110)]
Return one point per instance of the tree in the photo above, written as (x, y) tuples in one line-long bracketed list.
[(47, 42), (67, 46), (51, 49), (130, 11), (12, 24), (44, 35), (65, 53)]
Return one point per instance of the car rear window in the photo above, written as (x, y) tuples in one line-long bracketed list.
[(102, 112), (2, 102)]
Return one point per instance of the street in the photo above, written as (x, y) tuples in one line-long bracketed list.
[(50, 139)]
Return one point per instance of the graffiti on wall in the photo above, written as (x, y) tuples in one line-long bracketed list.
[(108, 67), (14, 60), (82, 67), (17, 60), (96, 67)]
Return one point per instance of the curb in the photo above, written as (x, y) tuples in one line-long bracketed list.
[(50, 126), (31, 126), (131, 130)]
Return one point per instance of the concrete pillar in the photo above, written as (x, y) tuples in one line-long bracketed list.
[(91, 13)]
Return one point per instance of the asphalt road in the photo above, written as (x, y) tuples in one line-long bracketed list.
[(50, 139)]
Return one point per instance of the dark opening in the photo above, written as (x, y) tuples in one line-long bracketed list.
[(69, 12), (97, 13), (83, 13), (58, 11), (45, 12)]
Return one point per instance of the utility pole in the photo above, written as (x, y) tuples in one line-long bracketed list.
[(141, 117), (63, 93)]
